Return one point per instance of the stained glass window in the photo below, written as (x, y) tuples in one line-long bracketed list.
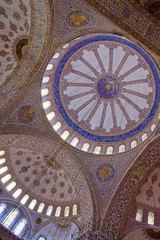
[(144, 136), (64, 135), (151, 218), (2, 207), (133, 143), (109, 150), (20, 227), (49, 210), (10, 217), (97, 150), (139, 215), (2, 152), (85, 147), (66, 211), (57, 126), (32, 204), (2, 160), (6, 178), (25, 199), (17, 193), (51, 115), (74, 142), (3, 169), (121, 148), (41, 207), (58, 212), (11, 186), (74, 210)]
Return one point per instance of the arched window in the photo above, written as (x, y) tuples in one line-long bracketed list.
[(122, 148), (11, 186), (17, 193), (3, 169), (2, 207), (49, 67), (10, 217), (50, 115), (2, 160), (144, 136), (97, 150), (151, 218), (45, 79), (20, 227), (74, 212), (49, 210), (133, 143), (32, 204), (46, 104), (139, 215), (25, 199), (85, 147), (153, 127), (58, 212), (6, 178), (56, 55), (109, 150), (2, 152), (64, 135), (41, 207), (66, 211), (74, 142), (44, 92), (57, 126)]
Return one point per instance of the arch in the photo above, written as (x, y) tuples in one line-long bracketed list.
[(12, 216), (20, 227), (68, 162), (63, 228), (144, 164)]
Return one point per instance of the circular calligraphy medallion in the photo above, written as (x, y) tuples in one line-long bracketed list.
[(77, 18), (108, 87), (26, 114), (105, 172)]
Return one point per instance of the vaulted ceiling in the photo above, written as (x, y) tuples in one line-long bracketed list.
[(69, 70)]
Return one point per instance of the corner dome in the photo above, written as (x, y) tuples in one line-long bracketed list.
[(100, 93)]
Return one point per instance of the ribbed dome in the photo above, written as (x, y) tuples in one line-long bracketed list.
[(101, 92)]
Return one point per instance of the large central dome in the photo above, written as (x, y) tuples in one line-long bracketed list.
[(103, 93)]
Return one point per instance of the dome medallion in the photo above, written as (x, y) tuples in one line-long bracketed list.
[(108, 87), (100, 93)]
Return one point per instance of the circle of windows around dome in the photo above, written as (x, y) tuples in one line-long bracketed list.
[(104, 90)]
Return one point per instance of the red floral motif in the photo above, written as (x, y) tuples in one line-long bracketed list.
[(154, 178), (149, 193)]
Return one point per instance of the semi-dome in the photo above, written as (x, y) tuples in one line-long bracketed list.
[(100, 93)]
